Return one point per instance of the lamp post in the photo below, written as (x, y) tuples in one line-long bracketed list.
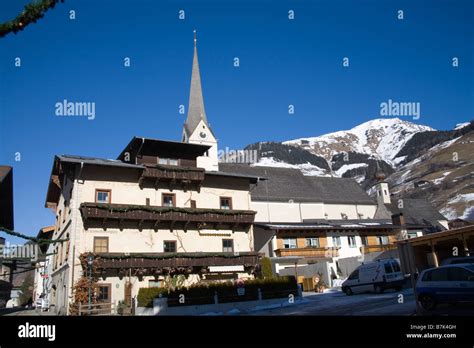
[(90, 261)]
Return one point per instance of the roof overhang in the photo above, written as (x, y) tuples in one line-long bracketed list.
[(155, 147)]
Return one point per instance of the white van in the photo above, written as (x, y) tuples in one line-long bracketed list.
[(374, 276)]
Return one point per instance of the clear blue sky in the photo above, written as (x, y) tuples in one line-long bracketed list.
[(283, 62)]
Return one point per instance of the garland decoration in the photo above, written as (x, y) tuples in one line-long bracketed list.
[(40, 241), (32, 12), (123, 209)]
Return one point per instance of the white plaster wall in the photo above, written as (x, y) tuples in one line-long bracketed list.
[(345, 250)]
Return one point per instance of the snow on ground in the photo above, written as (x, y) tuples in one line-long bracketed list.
[(468, 214), (306, 168), (466, 197), (462, 125), (439, 180), (347, 167), (382, 137), (449, 213)]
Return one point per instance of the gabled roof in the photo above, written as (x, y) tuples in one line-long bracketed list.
[(285, 184), (417, 212)]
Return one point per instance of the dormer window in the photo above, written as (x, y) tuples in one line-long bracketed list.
[(168, 161)]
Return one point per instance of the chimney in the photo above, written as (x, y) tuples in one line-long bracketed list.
[(398, 219)]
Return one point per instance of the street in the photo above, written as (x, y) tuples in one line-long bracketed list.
[(335, 302)]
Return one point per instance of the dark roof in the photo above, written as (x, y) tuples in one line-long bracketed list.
[(331, 225), (285, 184), (96, 161), (155, 147), (417, 212), (253, 179)]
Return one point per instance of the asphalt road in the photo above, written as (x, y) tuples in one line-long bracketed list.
[(337, 303)]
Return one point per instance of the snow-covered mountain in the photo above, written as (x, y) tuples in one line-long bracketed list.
[(419, 162), (381, 138)]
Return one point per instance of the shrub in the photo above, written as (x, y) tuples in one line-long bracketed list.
[(146, 295), (203, 293), (266, 265)]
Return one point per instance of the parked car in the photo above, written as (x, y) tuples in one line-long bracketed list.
[(456, 260), (445, 284), (375, 276)]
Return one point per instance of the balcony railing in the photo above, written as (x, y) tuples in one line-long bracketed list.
[(309, 252), (377, 248), (172, 175), (155, 215), (156, 264)]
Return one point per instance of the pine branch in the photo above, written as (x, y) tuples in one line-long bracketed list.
[(32, 12)]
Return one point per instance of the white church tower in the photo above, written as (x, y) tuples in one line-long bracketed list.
[(383, 191), (196, 129)]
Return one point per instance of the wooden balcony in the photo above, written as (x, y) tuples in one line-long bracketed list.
[(110, 215), (377, 248), (157, 264), (309, 252), (172, 176)]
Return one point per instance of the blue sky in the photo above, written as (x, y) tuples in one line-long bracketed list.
[(282, 62)]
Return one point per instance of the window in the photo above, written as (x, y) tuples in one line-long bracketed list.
[(352, 241), (354, 275), (388, 268), (169, 246), (226, 203), (227, 245), (193, 204), (101, 244), (312, 242), (396, 266), (154, 283), (168, 161), (365, 240), (102, 196), (104, 293), (459, 274), (437, 275), (382, 240), (147, 202), (289, 243), (336, 241), (168, 200), (412, 235)]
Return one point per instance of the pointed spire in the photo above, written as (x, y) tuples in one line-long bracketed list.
[(196, 111)]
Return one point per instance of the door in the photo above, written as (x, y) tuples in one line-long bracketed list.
[(104, 298), (462, 284), (128, 294)]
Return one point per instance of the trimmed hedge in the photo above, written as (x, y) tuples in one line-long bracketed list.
[(146, 295), (203, 293)]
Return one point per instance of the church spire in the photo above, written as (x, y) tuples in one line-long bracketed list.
[(196, 111)]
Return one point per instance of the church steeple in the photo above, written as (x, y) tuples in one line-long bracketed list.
[(196, 111), (196, 129)]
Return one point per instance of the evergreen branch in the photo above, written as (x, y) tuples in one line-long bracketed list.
[(32, 12)]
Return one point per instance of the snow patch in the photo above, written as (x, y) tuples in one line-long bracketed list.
[(462, 125), (347, 167)]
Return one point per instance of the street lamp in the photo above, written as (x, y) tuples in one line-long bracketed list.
[(90, 261)]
